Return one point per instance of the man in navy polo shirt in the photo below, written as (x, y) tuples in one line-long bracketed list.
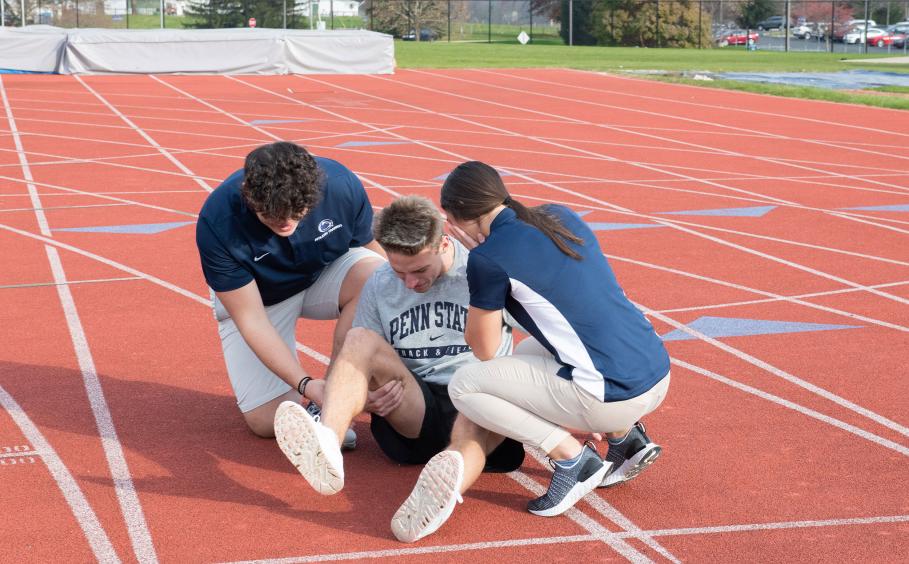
[(288, 236)]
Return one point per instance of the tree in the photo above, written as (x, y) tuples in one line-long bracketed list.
[(235, 13), (754, 11), (582, 20), (653, 24), (400, 17)]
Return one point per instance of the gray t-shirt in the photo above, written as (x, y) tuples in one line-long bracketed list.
[(426, 330)]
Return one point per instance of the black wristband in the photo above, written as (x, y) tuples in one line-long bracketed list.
[(301, 386)]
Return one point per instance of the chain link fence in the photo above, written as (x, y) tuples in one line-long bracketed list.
[(793, 25)]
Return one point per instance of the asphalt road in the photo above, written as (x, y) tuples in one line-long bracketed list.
[(777, 43)]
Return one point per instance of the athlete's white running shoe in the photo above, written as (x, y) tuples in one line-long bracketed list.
[(432, 500), (310, 446)]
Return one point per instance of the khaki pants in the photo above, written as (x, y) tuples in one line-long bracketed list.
[(522, 397)]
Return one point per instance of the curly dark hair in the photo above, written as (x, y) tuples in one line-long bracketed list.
[(282, 181)]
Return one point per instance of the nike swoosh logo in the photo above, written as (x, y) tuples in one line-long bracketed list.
[(436, 337), (260, 257)]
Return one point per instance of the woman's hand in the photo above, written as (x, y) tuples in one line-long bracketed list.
[(466, 239)]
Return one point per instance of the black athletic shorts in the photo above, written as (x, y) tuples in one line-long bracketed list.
[(435, 434)]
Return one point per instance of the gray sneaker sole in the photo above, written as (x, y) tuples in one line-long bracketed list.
[(633, 466)]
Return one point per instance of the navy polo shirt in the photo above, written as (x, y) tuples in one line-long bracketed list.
[(236, 248), (575, 309)]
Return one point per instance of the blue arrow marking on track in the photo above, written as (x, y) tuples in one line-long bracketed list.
[(141, 228), (371, 143), (731, 327), (620, 226), (756, 211), (271, 121), (896, 208)]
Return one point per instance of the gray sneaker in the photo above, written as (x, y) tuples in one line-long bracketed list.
[(350, 437), (630, 457), (568, 485)]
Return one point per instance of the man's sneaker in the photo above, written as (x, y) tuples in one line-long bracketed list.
[(350, 437), (311, 447), (568, 485), (433, 499), (630, 457)]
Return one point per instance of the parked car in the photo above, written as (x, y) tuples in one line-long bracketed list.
[(425, 35), (841, 29), (858, 35), (773, 22), (894, 38), (736, 37), (802, 31), (899, 39)]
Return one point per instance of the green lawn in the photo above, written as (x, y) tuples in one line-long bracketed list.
[(444, 54)]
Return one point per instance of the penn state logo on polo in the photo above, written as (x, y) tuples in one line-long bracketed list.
[(325, 227)]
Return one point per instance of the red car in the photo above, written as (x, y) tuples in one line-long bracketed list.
[(736, 37), (894, 38)]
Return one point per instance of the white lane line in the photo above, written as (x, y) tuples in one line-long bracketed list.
[(735, 352), (652, 168), (110, 196), (399, 552), (600, 506), (82, 510), (795, 299), (732, 231), (657, 219), (782, 374), (795, 407), (535, 541), (23, 164), (116, 460), (46, 208), (274, 137), (766, 135), (109, 262), (145, 136), (645, 83), (113, 450), (597, 530), (69, 282)]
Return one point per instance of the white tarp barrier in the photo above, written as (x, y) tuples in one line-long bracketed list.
[(36, 48), (207, 51), (322, 52)]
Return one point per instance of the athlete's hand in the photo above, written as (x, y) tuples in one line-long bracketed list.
[(464, 237), (386, 398)]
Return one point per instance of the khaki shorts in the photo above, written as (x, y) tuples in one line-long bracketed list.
[(253, 383)]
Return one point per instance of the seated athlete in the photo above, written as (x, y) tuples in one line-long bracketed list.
[(406, 342)]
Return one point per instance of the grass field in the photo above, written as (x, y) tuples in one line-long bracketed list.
[(677, 63)]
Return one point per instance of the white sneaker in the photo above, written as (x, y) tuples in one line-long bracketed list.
[(350, 437), (311, 447), (432, 500)]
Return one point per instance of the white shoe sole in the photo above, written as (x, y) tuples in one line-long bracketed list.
[(633, 466), (310, 447), (578, 491), (432, 500)]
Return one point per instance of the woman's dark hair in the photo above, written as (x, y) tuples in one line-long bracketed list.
[(281, 180), (474, 189)]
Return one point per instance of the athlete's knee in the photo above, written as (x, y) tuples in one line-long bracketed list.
[(360, 341)]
